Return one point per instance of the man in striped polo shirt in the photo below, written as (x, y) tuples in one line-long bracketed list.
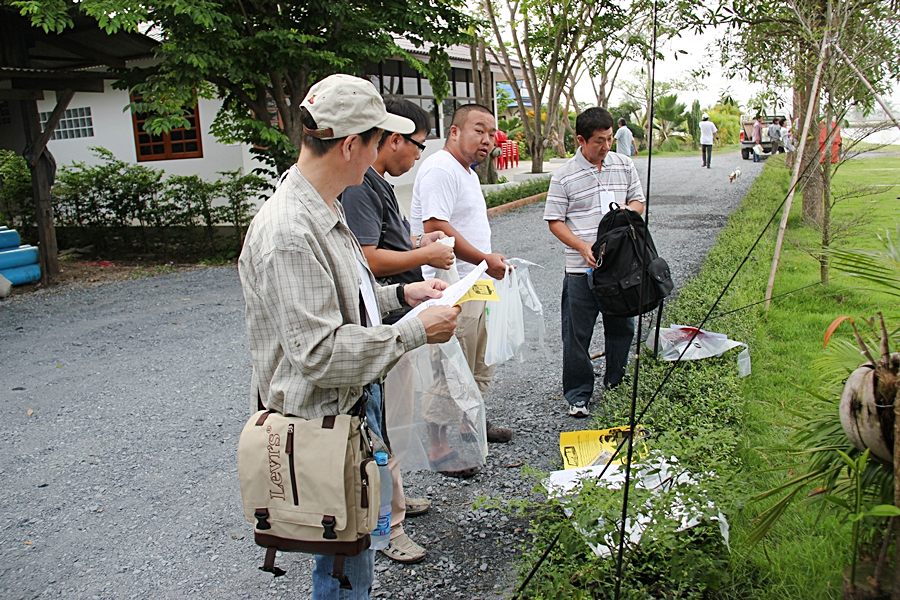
[(580, 194)]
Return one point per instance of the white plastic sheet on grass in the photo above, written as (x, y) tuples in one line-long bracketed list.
[(674, 339), (656, 474)]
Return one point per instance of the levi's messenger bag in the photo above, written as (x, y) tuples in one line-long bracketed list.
[(309, 485)]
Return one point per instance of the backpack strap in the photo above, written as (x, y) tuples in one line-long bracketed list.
[(337, 571), (269, 563)]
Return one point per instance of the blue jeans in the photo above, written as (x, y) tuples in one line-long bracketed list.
[(580, 310), (375, 409), (359, 569)]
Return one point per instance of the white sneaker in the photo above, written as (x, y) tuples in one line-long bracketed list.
[(578, 411)]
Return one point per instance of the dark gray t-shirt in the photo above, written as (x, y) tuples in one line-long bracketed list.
[(372, 208)]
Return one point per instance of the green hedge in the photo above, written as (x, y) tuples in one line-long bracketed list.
[(517, 192), (698, 417), (142, 205)]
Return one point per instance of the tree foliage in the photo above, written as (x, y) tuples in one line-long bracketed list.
[(548, 40), (261, 57)]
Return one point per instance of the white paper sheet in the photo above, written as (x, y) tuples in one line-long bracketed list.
[(452, 294)]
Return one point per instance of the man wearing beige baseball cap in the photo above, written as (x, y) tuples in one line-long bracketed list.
[(313, 308)]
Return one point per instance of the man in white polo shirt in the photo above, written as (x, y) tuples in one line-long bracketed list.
[(447, 197), (580, 194)]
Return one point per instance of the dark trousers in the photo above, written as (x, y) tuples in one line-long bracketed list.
[(579, 316), (706, 154)]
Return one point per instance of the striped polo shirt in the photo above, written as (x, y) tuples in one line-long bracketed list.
[(574, 197)]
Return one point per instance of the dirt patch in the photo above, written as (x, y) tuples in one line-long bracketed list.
[(84, 272)]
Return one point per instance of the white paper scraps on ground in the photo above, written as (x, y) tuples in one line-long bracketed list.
[(674, 339), (657, 474), (452, 294)]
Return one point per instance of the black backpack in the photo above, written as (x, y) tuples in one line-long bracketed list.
[(621, 271)]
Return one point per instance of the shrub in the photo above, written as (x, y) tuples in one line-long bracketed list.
[(517, 192), (237, 189), (16, 200), (116, 194)]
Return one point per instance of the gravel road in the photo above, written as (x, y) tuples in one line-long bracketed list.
[(123, 402)]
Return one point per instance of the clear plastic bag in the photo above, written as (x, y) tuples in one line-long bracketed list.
[(532, 309), (435, 413), (505, 322)]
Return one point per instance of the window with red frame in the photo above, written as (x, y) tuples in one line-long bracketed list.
[(183, 142)]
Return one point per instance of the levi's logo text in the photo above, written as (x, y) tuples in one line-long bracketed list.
[(273, 449)]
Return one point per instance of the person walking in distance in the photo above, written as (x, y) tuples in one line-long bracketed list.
[(625, 139), (775, 137), (757, 138), (708, 132)]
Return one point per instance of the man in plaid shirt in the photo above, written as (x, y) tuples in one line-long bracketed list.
[(313, 308)]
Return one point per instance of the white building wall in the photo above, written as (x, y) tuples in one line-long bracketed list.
[(113, 130)]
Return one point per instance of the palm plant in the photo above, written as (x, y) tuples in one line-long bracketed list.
[(669, 116), (839, 471)]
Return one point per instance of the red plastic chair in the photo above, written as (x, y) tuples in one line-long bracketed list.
[(511, 152), (501, 139)]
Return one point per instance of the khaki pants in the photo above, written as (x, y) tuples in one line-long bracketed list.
[(398, 501), (471, 331)]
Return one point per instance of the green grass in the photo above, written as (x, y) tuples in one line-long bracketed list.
[(807, 551), (740, 429)]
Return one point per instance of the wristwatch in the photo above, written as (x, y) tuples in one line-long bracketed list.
[(401, 296)]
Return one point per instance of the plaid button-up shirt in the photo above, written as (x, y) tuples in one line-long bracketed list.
[(311, 355)]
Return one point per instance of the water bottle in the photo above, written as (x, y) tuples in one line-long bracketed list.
[(381, 537)]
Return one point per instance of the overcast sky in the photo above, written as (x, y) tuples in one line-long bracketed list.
[(698, 54)]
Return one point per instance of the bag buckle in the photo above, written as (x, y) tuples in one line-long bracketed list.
[(262, 518), (328, 522)]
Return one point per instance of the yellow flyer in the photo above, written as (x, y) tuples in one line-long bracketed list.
[(596, 446), (483, 289)]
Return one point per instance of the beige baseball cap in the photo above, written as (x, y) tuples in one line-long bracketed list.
[(344, 105)]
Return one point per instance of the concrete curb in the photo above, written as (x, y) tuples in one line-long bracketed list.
[(505, 208)]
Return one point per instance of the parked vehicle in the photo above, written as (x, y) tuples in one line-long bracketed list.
[(746, 134)]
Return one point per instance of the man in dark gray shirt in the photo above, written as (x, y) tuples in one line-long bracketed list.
[(373, 215)]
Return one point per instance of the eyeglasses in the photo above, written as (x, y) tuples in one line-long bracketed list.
[(409, 139)]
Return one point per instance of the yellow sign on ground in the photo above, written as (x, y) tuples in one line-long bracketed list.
[(596, 446), (483, 290)]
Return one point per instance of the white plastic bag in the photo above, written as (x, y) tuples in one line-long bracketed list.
[(434, 411), (505, 322)]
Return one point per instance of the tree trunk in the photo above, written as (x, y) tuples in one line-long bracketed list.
[(482, 82), (811, 183), (537, 156), (814, 187), (895, 595), (826, 202)]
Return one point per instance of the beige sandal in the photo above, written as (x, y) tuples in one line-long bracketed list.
[(417, 506), (403, 550)]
